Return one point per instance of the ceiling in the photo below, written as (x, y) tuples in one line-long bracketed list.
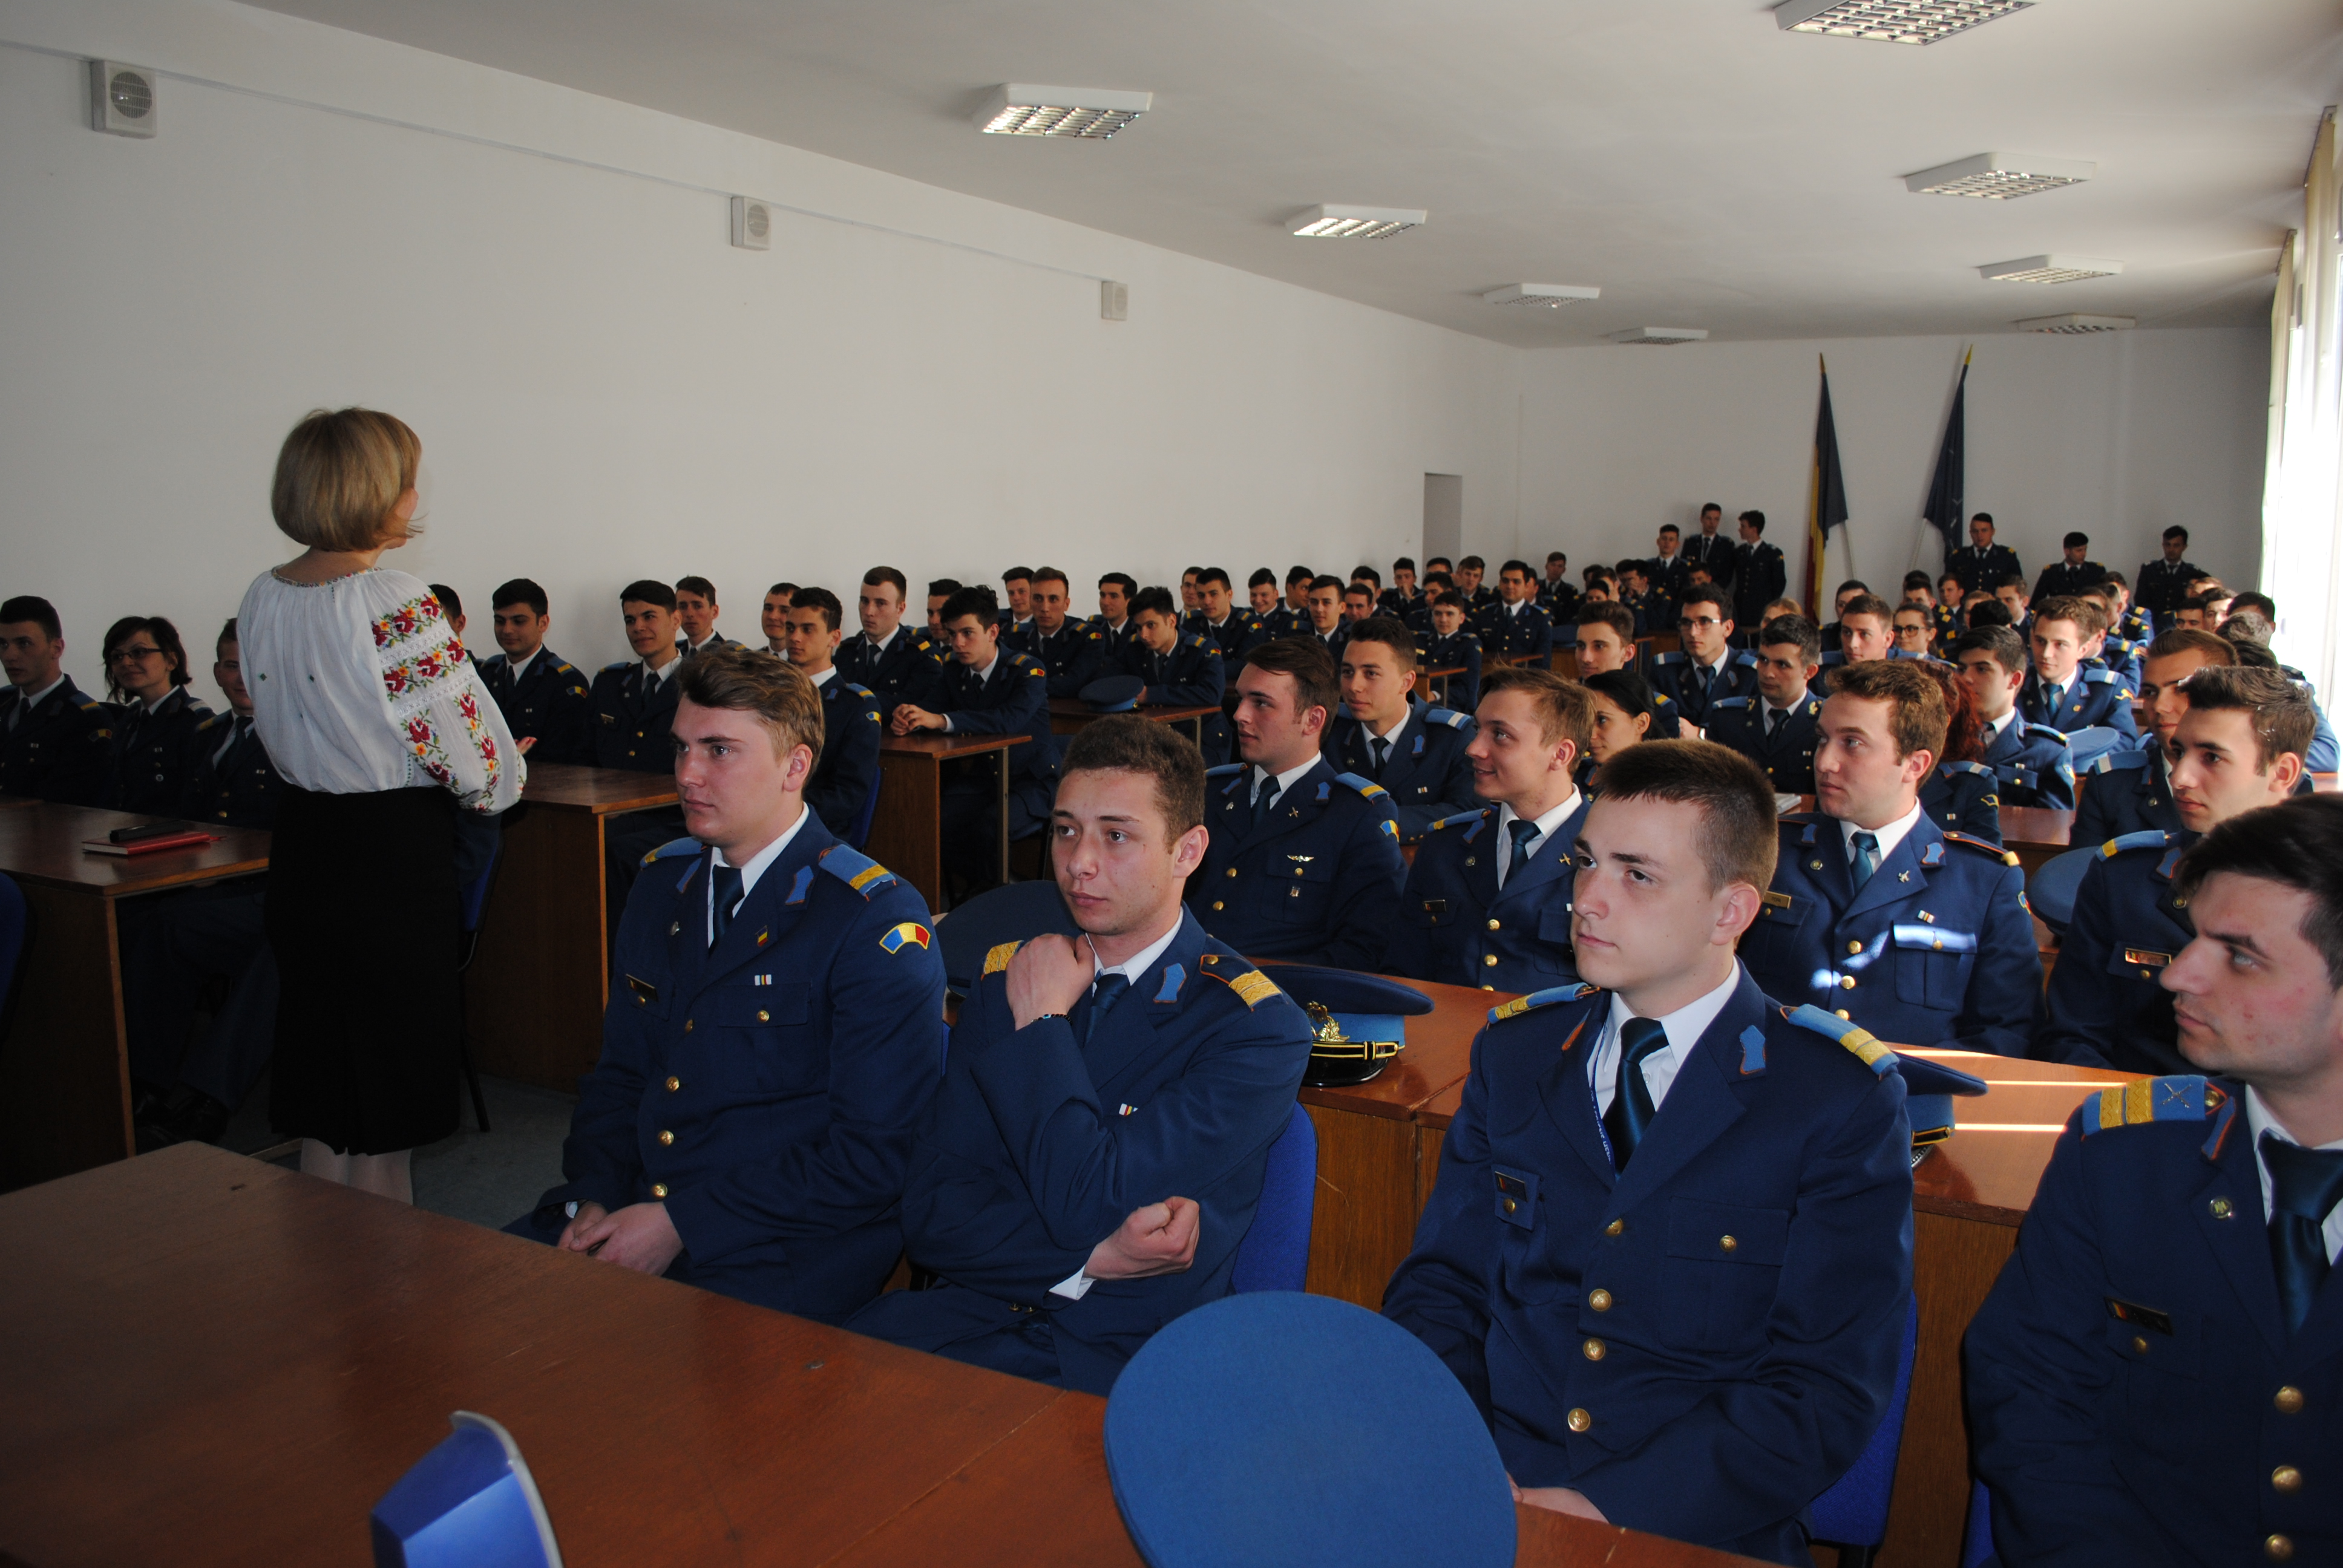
[(1701, 166)]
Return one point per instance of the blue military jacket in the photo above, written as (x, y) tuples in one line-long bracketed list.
[(768, 1091), (1760, 575), (1075, 655), (2106, 1006), (1040, 1145), (1014, 699), (1964, 798), (1787, 755), (1461, 650), (1457, 926), (2091, 698), (1191, 674), (152, 752), (632, 729), (2035, 764), (1236, 637), (1316, 881), (847, 771), (230, 779), (2126, 791), (1508, 630), (1703, 1344), (2132, 1389), (1937, 948), (1976, 567), (60, 751), (911, 670), (1687, 685), (550, 702), (1428, 777)]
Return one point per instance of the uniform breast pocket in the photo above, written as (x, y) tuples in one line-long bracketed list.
[(1723, 1267), (1932, 966), (1432, 912), (1554, 952), (1776, 934), (1309, 889), (2162, 1361), (766, 1042)]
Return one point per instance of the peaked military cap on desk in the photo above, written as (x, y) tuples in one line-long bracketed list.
[(1360, 1019), (1242, 1436), (1113, 693), (1929, 1086), (469, 1501)]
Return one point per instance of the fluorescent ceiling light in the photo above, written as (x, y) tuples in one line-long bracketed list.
[(2075, 326), (1355, 222), (1891, 21), (1094, 114), (1998, 177), (1554, 295), (2050, 269), (1660, 337)]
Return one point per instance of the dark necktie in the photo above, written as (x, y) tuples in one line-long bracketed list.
[(1526, 837), (1105, 992), (727, 885), (1632, 1108), (1773, 720), (2305, 1184), (238, 732), (1264, 801), (2050, 698), (1867, 856), (1380, 749)]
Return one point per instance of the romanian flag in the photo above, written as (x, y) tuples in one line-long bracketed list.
[(1826, 509), (909, 931)]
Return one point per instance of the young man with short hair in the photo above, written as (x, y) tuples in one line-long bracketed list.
[(939, 591), (1188, 605), (1864, 622), (1515, 625), (1017, 588), (1709, 550), (1180, 668), (1478, 595), (846, 771), (1416, 752), (1235, 632), (1917, 934), (2072, 573), (1113, 619), (1358, 604), (1669, 1254), (1298, 579), (2239, 746), (2154, 1377), (773, 619), (1669, 571), (1268, 605), (2163, 583), (1706, 669), (1759, 573), (2010, 593), (1403, 595), (1327, 626), (2129, 790), (1073, 652), (2062, 691), (695, 616), (897, 663), (546, 702), (1777, 728), (2034, 762), (1097, 1153), (1606, 641), (1487, 902), (56, 743), (1304, 862), (1446, 642), (1981, 564), (1556, 595), (769, 1045), (634, 699)]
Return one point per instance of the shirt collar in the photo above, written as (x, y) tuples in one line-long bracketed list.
[(984, 672), (703, 642), (829, 673), (1140, 962), (518, 668), (1285, 780), (1392, 734), (878, 644), (655, 676), (1794, 704), (34, 699), (1684, 1026), (1889, 835), (757, 864), (1547, 821)]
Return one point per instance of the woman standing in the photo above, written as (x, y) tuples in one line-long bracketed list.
[(146, 676), (379, 726)]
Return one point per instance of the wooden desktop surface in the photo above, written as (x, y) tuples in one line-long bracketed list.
[(43, 845), (1072, 715), (600, 790), (941, 746)]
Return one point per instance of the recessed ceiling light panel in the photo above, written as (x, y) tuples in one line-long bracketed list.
[(2076, 325), (2050, 269), (1355, 222), (1892, 21), (1999, 176), (1659, 337), (1091, 114), (1553, 296)]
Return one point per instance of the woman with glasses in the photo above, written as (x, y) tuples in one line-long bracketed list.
[(154, 717)]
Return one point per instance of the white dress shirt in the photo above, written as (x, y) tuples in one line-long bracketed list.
[(752, 868), (518, 668), (2258, 1121), (1684, 1027), (1889, 834), (1547, 822), (829, 673), (28, 701), (1285, 780)]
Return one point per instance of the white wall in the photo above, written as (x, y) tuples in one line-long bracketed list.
[(2118, 436), (606, 388)]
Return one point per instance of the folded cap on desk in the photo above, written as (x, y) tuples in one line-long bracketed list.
[(1113, 693), (469, 1499), (1360, 1019), (1243, 1433)]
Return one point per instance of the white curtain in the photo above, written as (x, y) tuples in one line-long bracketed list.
[(2302, 494)]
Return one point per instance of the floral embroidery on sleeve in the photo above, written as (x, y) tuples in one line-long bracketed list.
[(429, 679)]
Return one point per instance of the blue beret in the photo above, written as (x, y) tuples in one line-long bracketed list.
[(1113, 693), (1242, 1433), (1371, 1011)]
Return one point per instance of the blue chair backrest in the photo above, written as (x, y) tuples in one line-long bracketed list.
[(13, 922), (1275, 1253), (861, 833), (1854, 1512), (1014, 913), (2050, 891), (475, 896), (1977, 1546)]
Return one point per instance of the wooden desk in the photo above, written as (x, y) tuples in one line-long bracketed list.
[(1071, 715), (907, 834), (214, 1360), (533, 997), (2036, 834), (1564, 661), (65, 1061), (1431, 685)]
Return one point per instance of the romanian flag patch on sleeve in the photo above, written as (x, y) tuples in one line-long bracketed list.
[(902, 936)]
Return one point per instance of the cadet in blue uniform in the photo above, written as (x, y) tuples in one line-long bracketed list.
[(56, 744), (153, 715), (1711, 551), (1073, 652), (1557, 595), (1448, 644), (1964, 798), (1269, 606), (1113, 620), (2033, 763), (1606, 641), (1487, 902), (1981, 565), (2062, 692), (1707, 670), (1760, 575), (1670, 1250), (1304, 862), (547, 703), (1515, 626), (846, 775), (2129, 790), (2163, 586), (1775, 726), (1399, 600), (1919, 936), (772, 1034), (2157, 1376), (2072, 573), (695, 618), (634, 700), (1097, 1152), (1415, 752), (896, 662)]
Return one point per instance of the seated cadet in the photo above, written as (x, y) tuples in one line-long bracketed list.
[(1948, 617), (1188, 605), (897, 663), (1304, 862), (1414, 751), (2061, 692), (155, 717), (2238, 747), (1298, 579), (2154, 1377), (1670, 1249), (1776, 728), (1403, 595), (1448, 644), (1358, 604), (2129, 790), (773, 619), (1073, 652), (939, 589), (1920, 936), (1236, 633), (1606, 641), (695, 616), (1017, 612), (56, 744), (1707, 670), (1478, 595), (2110, 651), (769, 1044), (1620, 717), (1098, 1149), (846, 770), (1328, 625), (1419, 618), (1557, 596), (1268, 605), (1113, 619), (1181, 669), (1962, 795), (2249, 637), (2033, 763), (634, 703), (545, 700), (1515, 625), (1864, 628), (2135, 624), (1487, 903), (1911, 633), (988, 692)]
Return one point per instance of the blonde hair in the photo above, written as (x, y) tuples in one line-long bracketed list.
[(338, 475)]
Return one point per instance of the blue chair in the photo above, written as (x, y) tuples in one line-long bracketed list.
[(1275, 1253), (2050, 891), (15, 920), (474, 910), (1013, 913), (1853, 1514), (1976, 1544), (860, 834)]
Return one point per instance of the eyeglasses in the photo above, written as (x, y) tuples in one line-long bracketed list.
[(133, 655)]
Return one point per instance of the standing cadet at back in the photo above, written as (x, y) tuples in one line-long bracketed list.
[(544, 700)]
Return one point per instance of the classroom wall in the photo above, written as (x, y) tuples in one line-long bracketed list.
[(605, 388)]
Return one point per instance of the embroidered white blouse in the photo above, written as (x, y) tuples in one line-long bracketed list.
[(360, 685)]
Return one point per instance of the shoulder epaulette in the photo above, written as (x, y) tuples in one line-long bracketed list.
[(997, 959), (91, 705), (2185, 1097), (1980, 768), (1661, 700), (1864, 1045), (1226, 769), (2145, 838), (1195, 642), (671, 848), (1659, 659), (1448, 715), (2101, 677), (209, 722), (856, 869), (1747, 659), (2049, 732), (1986, 846), (1538, 998), (2120, 759), (1252, 987), (621, 664), (1799, 820), (1366, 787), (1473, 816), (863, 691), (558, 669), (1728, 702)]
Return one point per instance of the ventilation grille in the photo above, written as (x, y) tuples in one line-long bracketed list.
[(2078, 325), (1084, 114), (2050, 269), (752, 224), (1356, 222), (1999, 176), (121, 99), (1659, 337), (1892, 21), (1552, 296)]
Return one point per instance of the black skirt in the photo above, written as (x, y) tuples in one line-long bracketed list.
[(363, 913)]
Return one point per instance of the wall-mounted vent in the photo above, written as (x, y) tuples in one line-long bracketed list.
[(1114, 300), (121, 99), (2076, 325), (2050, 269), (752, 224), (1659, 337)]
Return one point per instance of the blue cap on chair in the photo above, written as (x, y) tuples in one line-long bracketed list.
[(469, 1502), (1360, 1019), (1113, 693), (2050, 890), (1242, 1434)]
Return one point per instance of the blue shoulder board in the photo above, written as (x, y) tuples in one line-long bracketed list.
[(2148, 839), (857, 871), (1538, 998), (1728, 702), (2100, 677), (2049, 732), (2181, 1097), (1745, 658), (1448, 715), (671, 848), (2122, 759), (1461, 817), (619, 665), (1980, 768), (1667, 658), (1225, 768), (1861, 1041), (1366, 787)]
